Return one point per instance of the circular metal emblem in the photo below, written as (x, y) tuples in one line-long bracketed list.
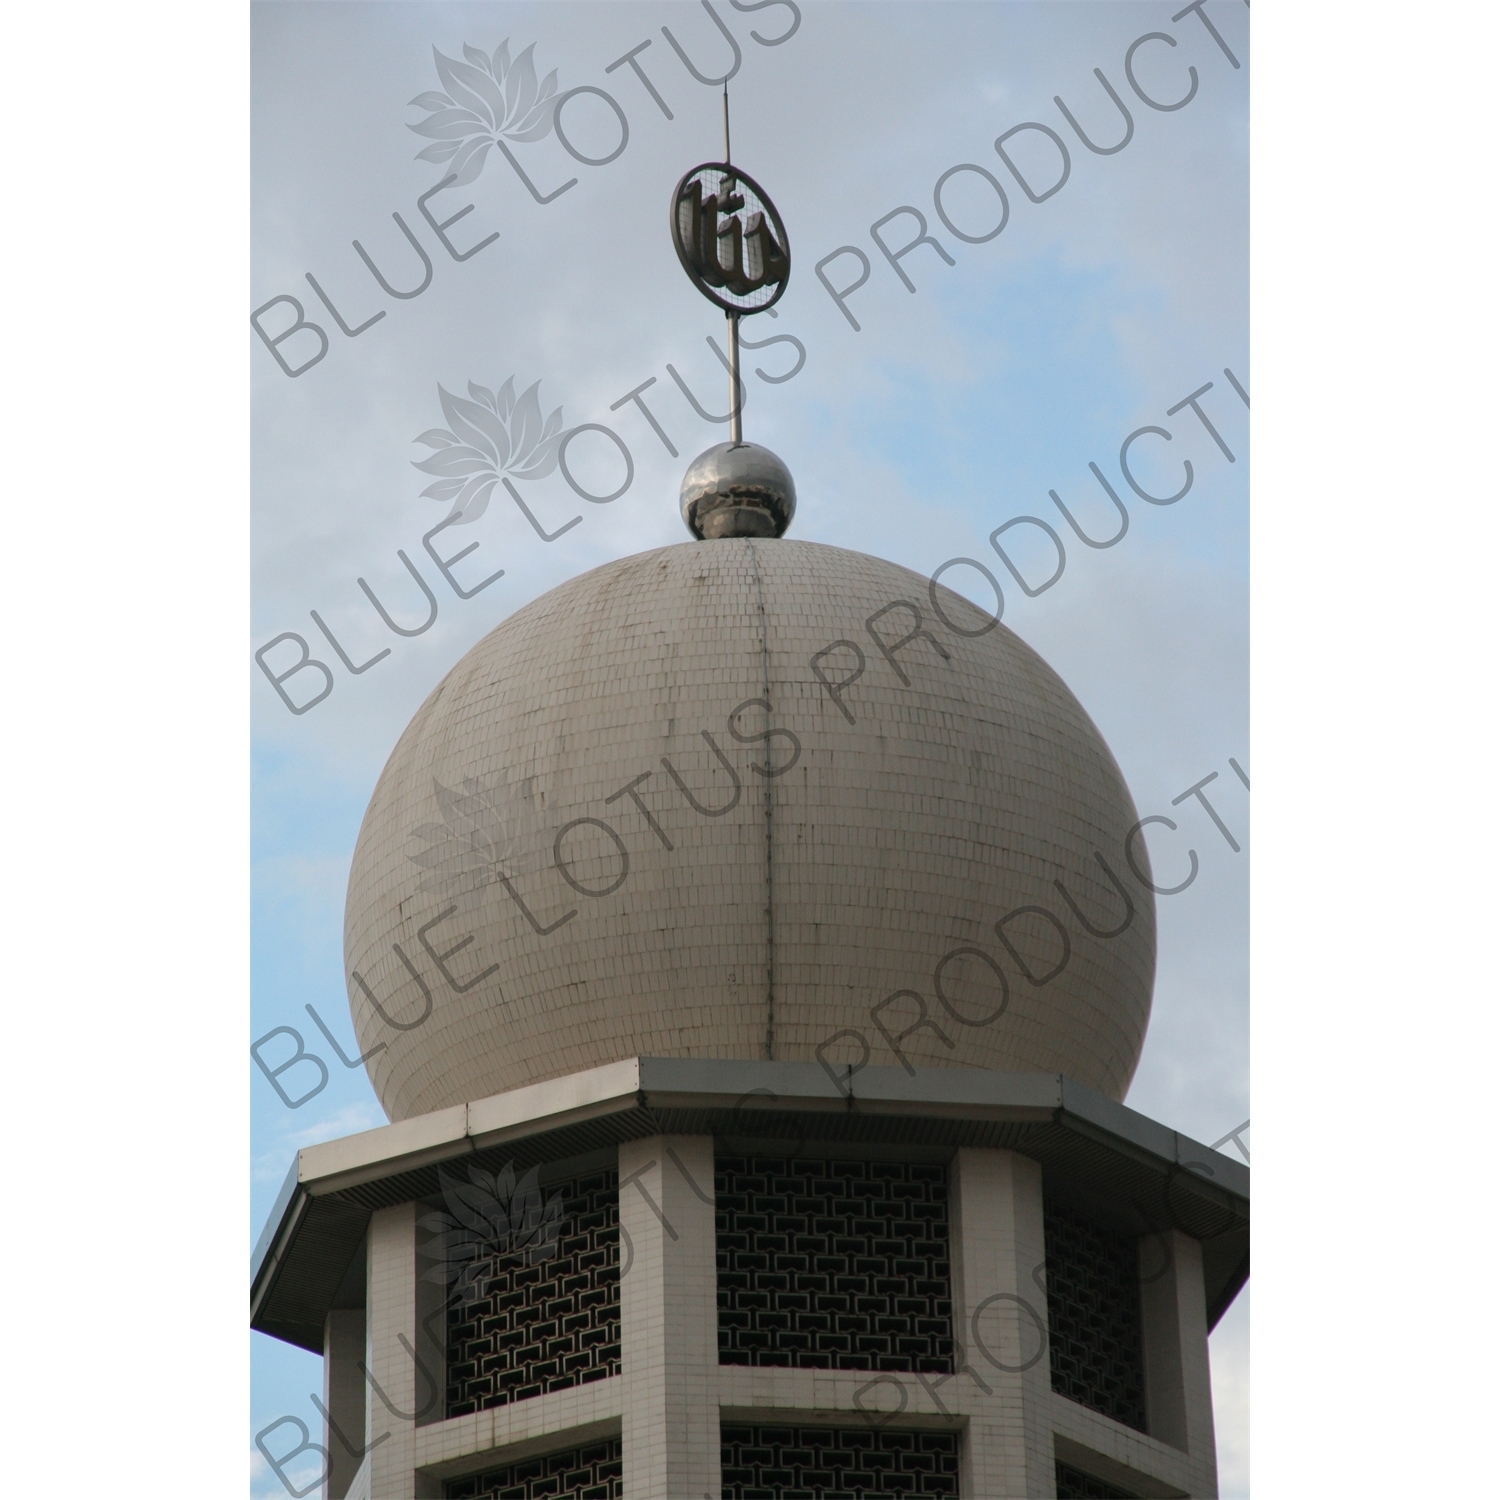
[(730, 239)]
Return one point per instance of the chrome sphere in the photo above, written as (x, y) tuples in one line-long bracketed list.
[(738, 489)]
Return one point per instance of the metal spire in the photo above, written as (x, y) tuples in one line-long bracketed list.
[(736, 431), (733, 246)]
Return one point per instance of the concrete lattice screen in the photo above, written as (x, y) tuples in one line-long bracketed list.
[(1072, 1484), (858, 1462), (546, 1327), (591, 1472), (834, 1265), (823, 1263), (1094, 1316)]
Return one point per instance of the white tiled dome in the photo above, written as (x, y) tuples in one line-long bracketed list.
[(534, 796)]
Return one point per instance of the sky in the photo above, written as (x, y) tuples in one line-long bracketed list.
[(956, 407)]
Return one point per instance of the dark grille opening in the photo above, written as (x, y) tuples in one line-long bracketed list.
[(545, 1327), (1094, 1316), (833, 1265), (592, 1472), (836, 1463), (1074, 1485)]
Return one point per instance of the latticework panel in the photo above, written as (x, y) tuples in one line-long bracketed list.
[(836, 1463), (1094, 1316), (1074, 1485), (544, 1327), (592, 1472), (833, 1265)]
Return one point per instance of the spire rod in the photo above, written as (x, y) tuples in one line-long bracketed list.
[(736, 431)]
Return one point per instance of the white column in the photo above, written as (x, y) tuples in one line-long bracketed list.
[(669, 1319), (1000, 1322), (397, 1393), (1174, 1328), (343, 1399)]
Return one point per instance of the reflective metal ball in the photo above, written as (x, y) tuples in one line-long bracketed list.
[(738, 489)]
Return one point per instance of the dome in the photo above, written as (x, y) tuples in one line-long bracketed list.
[(746, 798)]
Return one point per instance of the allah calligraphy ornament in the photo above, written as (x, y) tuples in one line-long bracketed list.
[(730, 239), (734, 248)]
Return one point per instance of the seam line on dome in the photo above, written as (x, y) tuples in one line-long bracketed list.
[(765, 678)]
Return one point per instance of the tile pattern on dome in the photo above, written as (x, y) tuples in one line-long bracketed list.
[(969, 782)]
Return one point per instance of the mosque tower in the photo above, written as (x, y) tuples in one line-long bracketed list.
[(746, 943)]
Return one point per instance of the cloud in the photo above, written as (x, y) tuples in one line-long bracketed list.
[(303, 1473), (271, 1163)]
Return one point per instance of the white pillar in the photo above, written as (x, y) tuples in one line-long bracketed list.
[(669, 1319), (397, 1392), (1174, 1329), (343, 1399), (1000, 1322)]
